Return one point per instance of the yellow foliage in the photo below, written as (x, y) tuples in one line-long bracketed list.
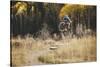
[(21, 7), (68, 9)]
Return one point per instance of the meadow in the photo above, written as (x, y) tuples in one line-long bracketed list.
[(34, 51)]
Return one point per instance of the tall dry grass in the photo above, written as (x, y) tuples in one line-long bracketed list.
[(30, 51), (77, 50)]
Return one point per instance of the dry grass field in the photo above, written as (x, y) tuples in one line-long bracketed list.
[(30, 51)]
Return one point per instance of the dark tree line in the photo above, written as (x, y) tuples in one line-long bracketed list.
[(30, 17)]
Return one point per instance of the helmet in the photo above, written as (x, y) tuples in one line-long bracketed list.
[(65, 18)]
